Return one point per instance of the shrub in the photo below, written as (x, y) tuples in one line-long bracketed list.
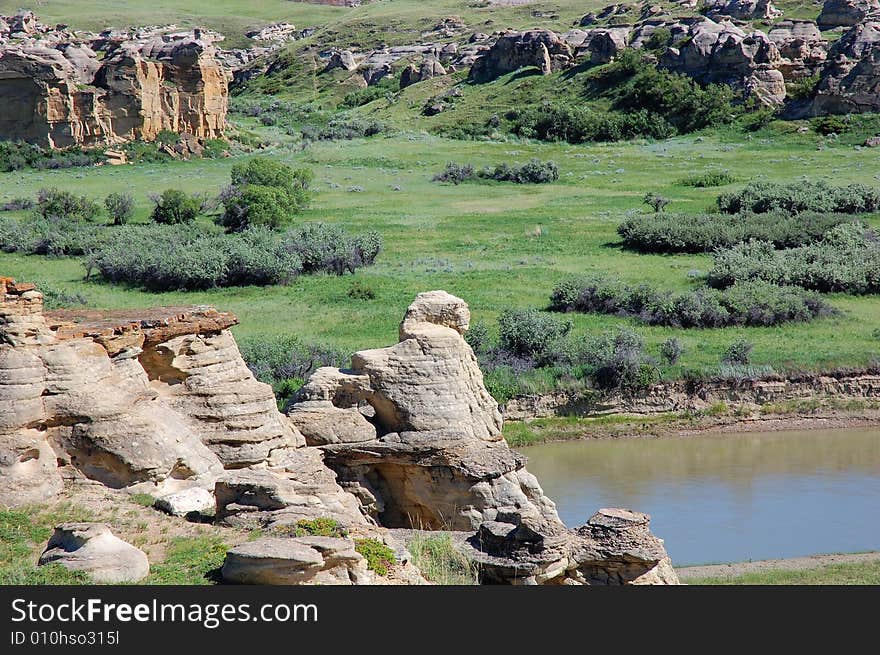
[(48, 236), (318, 527), (694, 233), (804, 88), (531, 334), (264, 193), (828, 125), (761, 197), (534, 171), (174, 207), (329, 248), (671, 350), (738, 353), (19, 155), (478, 338), (708, 179), (456, 173), (847, 259), (379, 556), (343, 129), (577, 124), (54, 203), (16, 204), (361, 291), (683, 103), (747, 303), (120, 207), (655, 201), (616, 360), (286, 362)]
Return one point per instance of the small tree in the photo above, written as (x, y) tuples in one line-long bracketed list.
[(656, 201), (120, 206), (264, 192), (671, 350), (174, 207)]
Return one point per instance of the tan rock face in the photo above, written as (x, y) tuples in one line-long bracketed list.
[(60, 94), (163, 399), (514, 50), (91, 548)]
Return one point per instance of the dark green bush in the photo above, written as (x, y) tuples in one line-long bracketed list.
[(342, 129), (456, 173), (747, 303), (534, 171), (577, 124), (693, 233), (678, 99), (847, 259), (828, 125), (264, 192), (761, 197), (17, 155), (175, 207), (54, 203), (708, 179)]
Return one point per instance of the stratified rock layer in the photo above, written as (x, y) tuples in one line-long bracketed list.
[(60, 94)]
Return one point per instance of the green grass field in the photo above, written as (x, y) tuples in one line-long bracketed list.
[(496, 245), (857, 573)]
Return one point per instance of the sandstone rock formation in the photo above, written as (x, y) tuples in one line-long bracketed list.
[(160, 397), (615, 547), (850, 80), (542, 49), (741, 9), (846, 13), (60, 93), (723, 53), (296, 561), (91, 548), (161, 401)]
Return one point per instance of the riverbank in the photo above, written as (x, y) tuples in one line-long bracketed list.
[(839, 568), (719, 418)]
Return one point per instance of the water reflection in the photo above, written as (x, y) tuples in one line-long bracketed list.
[(731, 497)]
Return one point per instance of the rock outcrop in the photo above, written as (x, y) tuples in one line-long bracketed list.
[(850, 80), (157, 397), (161, 401), (615, 547), (58, 93), (297, 561), (91, 548), (741, 9), (846, 13), (541, 49)]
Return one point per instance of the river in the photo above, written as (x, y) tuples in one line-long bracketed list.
[(728, 497)]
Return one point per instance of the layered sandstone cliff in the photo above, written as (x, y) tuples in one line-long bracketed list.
[(161, 401), (57, 92)]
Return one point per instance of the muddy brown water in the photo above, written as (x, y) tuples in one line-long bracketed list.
[(728, 497)]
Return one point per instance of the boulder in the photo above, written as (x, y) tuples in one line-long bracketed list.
[(845, 13), (541, 49), (299, 487), (91, 548), (343, 59), (191, 500), (615, 547), (296, 561), (801, 46)]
